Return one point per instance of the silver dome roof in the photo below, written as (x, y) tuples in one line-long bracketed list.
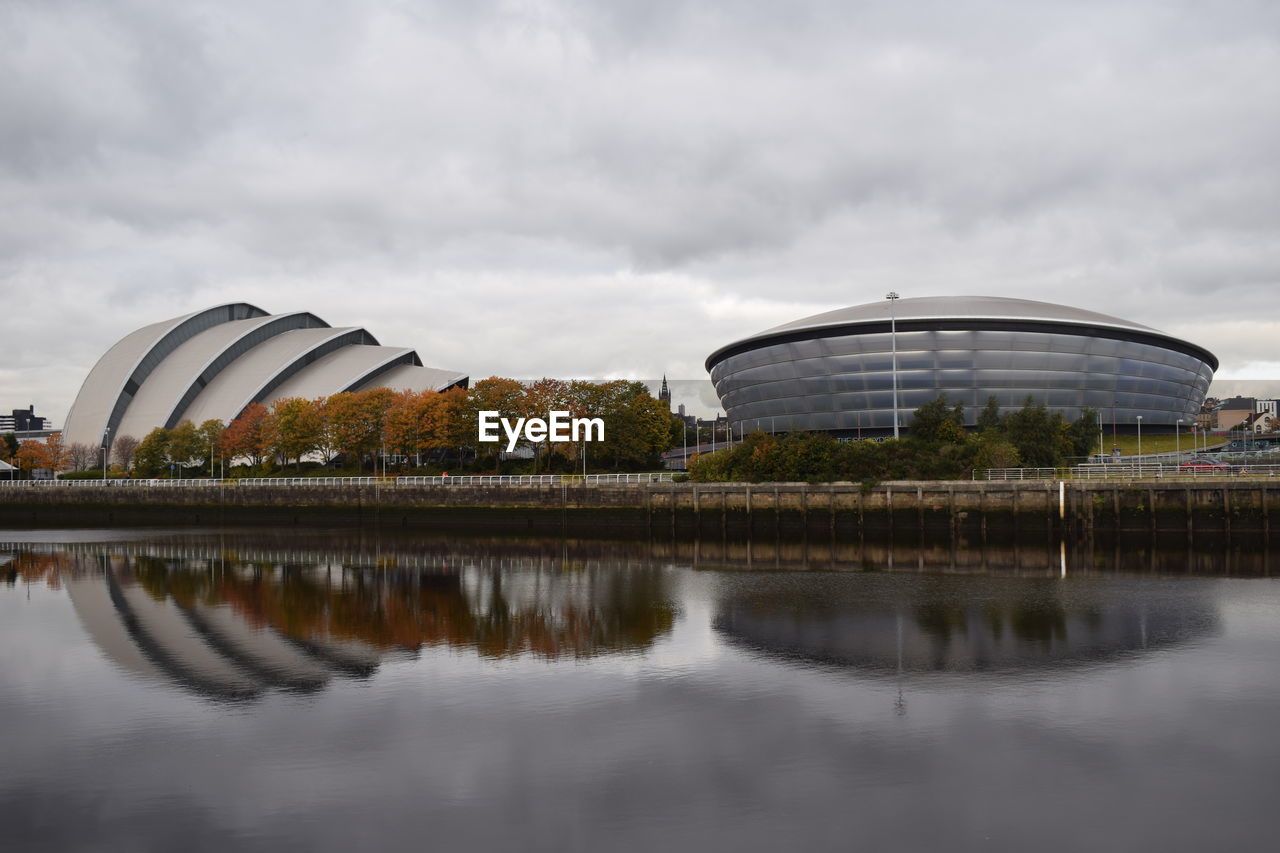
[(957, 307), (997, 308)]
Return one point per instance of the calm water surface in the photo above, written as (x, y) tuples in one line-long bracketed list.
[(336, 692)]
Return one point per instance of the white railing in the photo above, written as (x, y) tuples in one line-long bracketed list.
[(1018, 474), (536, 479), (343, 482), (1113, 471)]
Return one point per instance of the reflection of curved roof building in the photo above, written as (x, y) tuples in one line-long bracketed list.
[(265, 619), (834, 372), (214, 363), (210, 649)]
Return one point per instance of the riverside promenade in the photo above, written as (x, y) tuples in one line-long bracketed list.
[(653, 505)]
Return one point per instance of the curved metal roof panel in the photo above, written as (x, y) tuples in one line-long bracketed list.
[(122, 370), (343, 370), (189, 368), (255, 375), (409, 377)]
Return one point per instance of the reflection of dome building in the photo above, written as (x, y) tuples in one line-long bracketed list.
[(214, 363), (1026, 625), (833, 371)]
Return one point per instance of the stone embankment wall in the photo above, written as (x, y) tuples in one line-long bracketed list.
[(679, 509)]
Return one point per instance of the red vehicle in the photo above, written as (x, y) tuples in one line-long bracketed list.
[(1205, 466)]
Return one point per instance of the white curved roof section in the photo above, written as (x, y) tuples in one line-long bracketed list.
[(210, 364), (179, 379), (343, 370), (409, 377), (254, 376), (112, 383)]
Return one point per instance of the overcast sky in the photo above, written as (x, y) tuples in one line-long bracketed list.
[(616, 189)]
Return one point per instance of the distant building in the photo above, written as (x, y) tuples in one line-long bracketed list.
[(664, 393), (1268, 406), (690, 421), (1260, 422), (22, 420), (1233, 412)]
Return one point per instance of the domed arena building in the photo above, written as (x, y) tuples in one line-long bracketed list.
[(835, 371), (214, 363)]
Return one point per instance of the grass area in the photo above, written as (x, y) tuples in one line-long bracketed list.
[(1128, 444)]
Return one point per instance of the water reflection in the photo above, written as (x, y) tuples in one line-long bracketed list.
[(234, 628), (896, 624), (237, 613), (684, 702)]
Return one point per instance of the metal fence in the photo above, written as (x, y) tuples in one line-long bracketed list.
[(347, 482), (1147, 471), (1020, 474)]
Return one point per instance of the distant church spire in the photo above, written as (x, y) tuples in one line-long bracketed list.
[(664, 393)]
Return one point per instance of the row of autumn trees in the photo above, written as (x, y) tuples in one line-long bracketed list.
[(412, 429), (937, 447)]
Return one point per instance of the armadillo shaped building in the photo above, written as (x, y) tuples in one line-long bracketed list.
[(214, 363)]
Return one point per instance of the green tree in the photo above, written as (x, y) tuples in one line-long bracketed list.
[(636, 425), (1082, 434), (209, 434), (993, 450), (293, 429), (817, 457), (936, 422), (184, 445), (151, 458), (989, 417), (1037, 434), (8, 447)]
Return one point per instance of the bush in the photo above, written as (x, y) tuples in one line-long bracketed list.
[(91, 475), (936, 448)]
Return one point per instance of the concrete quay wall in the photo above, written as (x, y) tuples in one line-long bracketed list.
[(677, 509)]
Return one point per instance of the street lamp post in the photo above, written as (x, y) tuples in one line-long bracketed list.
[(1139, 439), (892, 296), (1177, 440), (684, 438), (106, 448)]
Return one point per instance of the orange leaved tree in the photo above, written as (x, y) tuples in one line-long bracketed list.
[(243, 436)]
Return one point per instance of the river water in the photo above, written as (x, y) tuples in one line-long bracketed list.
[(188, 690)]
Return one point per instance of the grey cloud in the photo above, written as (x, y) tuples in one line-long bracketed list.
[(1117, 156)]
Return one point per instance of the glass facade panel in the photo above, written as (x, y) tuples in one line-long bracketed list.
[(845, 382)]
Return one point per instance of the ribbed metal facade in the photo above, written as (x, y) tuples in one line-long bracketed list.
[(837, 374), (212, 364)]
